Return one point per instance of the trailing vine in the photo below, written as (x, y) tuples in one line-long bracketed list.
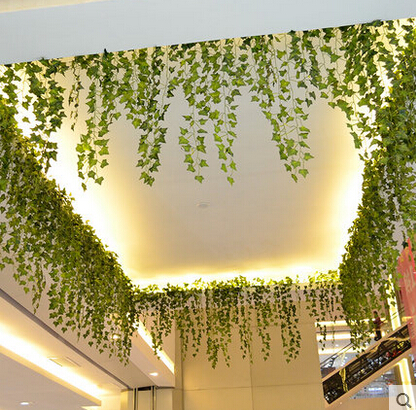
[(369, 268), (51, 250), (367, 71), (217, 309)]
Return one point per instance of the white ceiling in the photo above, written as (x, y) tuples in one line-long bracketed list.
[(263, 225), (21, 384), (125, 24)]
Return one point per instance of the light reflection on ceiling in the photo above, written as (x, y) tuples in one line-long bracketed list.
[(265, 225)]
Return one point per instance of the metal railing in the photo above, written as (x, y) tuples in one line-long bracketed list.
[(327, 365), (379, 355)]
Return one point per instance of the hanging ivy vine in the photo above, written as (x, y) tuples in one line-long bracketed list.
[(212, 312), (51, 250), (369, 267), (367, 71)]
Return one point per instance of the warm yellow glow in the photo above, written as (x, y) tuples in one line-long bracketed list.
[(404, 370), (337, 336), (407, 381), (88, 204), (145, 335), (395, 317), (346, 206), (335, 350), (403, 364), (31, 354), (337, 323), (301, 272)]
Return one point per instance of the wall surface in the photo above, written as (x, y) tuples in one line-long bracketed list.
[(125, 24), (381, 403), (262, 385)]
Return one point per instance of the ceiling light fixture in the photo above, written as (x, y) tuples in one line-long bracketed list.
[(203, 205), (25, 403), (154, 374), (64, 361)]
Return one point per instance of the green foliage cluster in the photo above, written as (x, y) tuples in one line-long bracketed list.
[(367, 71), (388, 207), (211, 315), (51, 250)]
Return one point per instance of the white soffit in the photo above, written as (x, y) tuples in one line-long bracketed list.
[(31, 343), (125, 24), (21, 384), (16, 5)]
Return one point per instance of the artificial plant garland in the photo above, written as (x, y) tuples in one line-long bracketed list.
[(388, 208), (51, 250), (366, 70)]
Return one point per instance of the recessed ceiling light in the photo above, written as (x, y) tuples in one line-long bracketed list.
[(203, 205), (30, 353), (64, 361), (25, 403), (154, 374)]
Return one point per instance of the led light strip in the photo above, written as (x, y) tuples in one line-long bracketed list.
[(145, 335), (330, 351), (338, 323), (336, 336)]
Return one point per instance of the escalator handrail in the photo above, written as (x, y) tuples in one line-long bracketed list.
[(381, 353), (369, 349)]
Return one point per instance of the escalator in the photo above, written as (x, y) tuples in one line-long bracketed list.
[(377, 359)]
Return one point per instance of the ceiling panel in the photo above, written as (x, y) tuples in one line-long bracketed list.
[(264, 225), (125, 24), (21, 384)]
